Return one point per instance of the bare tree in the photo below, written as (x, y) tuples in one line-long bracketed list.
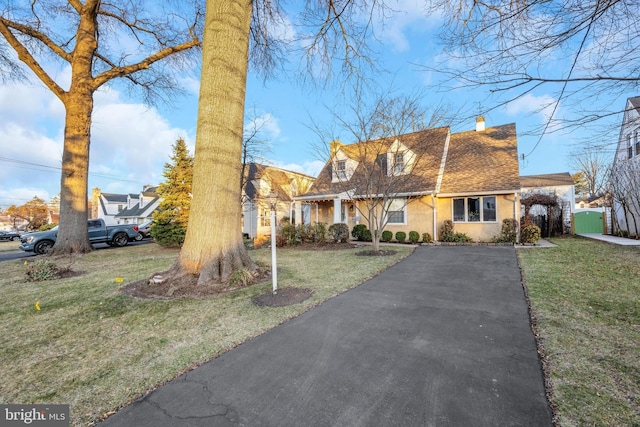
[(100, 42), (255, 145), (593, 164), (387, 156), (575, 50), (624, 187)]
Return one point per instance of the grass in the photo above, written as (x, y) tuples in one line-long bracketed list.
[(92, 347), (585, 296), (9, 246)]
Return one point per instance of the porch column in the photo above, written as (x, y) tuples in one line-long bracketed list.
[(298, 212), (337, 210)]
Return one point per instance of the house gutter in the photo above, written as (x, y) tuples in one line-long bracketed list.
[(479, 193)]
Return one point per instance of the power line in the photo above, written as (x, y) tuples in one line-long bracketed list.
[(47, 168)]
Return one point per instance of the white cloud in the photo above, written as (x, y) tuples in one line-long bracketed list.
[(131, 141), (529, 104), (311, 168), (409, 15)]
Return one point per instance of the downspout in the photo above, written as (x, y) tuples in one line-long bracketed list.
[(435, 215), (443, 162)]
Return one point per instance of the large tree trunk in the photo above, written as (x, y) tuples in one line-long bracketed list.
[(78, 101), (213, 247)]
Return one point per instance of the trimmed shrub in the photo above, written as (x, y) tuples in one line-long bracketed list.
[(401, 236), (287, 234), (446, 231), (426, 238), (460, 238), (319, 230), (414, 237), (386, 236), (530, 234), (47, 227), (508, 232), (448, 235), (169, 235), (358, 232), (339, 232)]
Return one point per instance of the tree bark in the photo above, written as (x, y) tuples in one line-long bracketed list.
[(78, 102), (213, 247)]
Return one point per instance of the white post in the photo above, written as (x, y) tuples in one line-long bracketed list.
[(337, 210), (274, 267)]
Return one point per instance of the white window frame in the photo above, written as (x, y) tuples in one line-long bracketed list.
[(398, 163), (481, 202), (400, 205), (341, 172)]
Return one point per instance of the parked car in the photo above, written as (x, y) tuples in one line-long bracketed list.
[(115, 235), (145, 229), (6, 236)]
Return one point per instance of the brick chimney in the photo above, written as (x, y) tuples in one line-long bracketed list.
[(480, 124)]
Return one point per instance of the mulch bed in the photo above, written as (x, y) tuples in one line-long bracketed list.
[(187, 286), (284, 297)]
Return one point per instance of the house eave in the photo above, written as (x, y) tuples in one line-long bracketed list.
[(478, 193)]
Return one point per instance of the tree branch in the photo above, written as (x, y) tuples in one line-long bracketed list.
[(25, 56), (115, 72)]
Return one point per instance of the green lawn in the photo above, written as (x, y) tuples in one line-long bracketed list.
[(586, 298), (95, 349)]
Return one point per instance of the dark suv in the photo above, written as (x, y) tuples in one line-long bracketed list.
[(6, 236)]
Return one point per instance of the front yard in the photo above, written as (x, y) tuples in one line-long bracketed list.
[(86, 344), (585, 296), (92, 347)]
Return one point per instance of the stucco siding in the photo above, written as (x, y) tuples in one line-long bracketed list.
[(478, 231)]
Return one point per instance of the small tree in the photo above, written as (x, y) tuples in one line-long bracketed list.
[(171, 218), (35, 212)]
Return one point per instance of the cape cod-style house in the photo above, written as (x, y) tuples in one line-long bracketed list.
[(471, 178)]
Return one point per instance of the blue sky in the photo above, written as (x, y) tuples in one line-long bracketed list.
[(131, 142)]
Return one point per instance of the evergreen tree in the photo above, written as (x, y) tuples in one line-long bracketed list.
[(172, 216)]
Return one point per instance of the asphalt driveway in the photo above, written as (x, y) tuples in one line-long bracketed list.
[(440, 339)]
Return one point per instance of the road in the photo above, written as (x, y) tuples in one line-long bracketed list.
[(19, 254)]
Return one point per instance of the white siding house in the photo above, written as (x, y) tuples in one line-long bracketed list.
[(625, 177)]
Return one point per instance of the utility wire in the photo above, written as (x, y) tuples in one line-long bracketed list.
[(47, 168)]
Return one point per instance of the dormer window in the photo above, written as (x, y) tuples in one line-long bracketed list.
[(341, 170), (400, 159), (398, 163)]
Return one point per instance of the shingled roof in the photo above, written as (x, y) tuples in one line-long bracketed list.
[(482, 162), (427, 146), (546, 180), (475, 162)]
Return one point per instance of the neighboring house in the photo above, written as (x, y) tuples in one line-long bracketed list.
[(124, 208), (140, 207), (594, 202), (625, 175), (471, 178), (560, 185), (259, 181)]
